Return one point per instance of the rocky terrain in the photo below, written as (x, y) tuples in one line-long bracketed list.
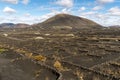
[(60, 54)]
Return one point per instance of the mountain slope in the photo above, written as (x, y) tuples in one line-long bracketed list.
[(7, 25), (67, 21), (21, 25), (11, 25), (115, 26)]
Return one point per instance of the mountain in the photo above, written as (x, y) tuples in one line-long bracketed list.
[(7, 25), (21, 25), (12, 25), (66, 21), (115, 26)]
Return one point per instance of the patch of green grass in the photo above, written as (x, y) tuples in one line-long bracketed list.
[(2, 50)]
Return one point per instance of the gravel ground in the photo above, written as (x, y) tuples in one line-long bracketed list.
[(22, 69)]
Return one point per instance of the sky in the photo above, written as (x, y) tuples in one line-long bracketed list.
[(104, 12)]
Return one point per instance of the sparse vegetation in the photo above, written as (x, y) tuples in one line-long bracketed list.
[(37, 73), (2, 50), (58, 65), (79, 75), (39, 58)]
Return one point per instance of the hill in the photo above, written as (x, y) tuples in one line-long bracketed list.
[(7, 25), (115, 26), (66, 21), (12, 25)]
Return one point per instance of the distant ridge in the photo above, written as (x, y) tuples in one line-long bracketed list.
[(6, 25), (21, 25), (115, 26), (67, 21), (12, 25)]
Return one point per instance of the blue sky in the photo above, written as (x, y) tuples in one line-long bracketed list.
[(104, 12)]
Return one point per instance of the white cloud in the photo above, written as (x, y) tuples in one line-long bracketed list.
[(25, 1), (65, 10), (97, 8), (88, 13), (65, 3), (105, 1), (16, 1), (114, 11), (82, 9), (11, 1), (104, 19), (1, 19), (29, 19), (27, 15), (9, 10), (100, 16)]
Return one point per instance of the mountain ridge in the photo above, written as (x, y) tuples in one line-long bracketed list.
[(12, 25)]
